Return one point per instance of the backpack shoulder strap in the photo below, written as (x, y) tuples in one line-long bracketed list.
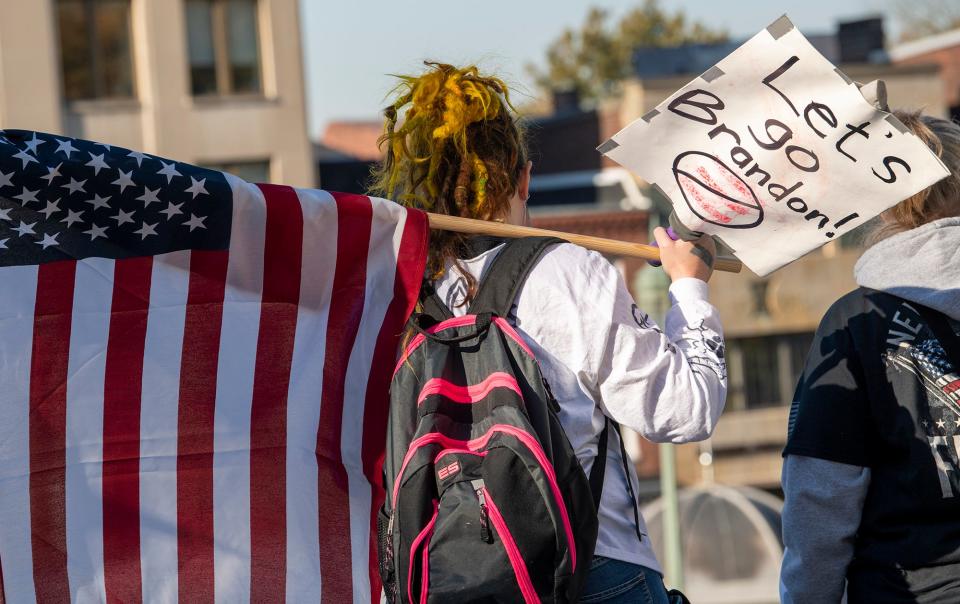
[(626, 474), (940, 326), (599, 467), (431, 303), (505, 276)]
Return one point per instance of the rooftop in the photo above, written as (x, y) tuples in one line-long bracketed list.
[(908, 50), (353, 138)]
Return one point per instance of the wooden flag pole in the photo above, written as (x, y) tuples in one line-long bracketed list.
[(443, 222)]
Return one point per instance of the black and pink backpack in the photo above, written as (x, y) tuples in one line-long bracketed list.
[(486, 501)]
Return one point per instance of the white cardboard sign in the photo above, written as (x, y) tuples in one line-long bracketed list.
[(775, 151)]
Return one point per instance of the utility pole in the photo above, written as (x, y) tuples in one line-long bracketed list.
[(673, 554)]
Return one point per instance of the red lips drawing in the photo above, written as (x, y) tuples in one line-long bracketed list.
[(714, 193)]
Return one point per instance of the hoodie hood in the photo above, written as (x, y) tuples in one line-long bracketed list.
[(921, 265)]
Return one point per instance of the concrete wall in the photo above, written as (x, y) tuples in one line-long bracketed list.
[(744, 449), (164, 118), (29, 67)]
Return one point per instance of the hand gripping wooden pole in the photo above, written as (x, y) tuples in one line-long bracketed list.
[(443, 222)]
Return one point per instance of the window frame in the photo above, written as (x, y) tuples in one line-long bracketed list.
[(225, 165), (221, 54), (788, 357), (89, 12)]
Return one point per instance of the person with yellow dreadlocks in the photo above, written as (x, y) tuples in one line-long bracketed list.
[(458, 149)]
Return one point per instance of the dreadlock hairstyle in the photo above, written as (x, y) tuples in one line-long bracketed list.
[(458, 150)]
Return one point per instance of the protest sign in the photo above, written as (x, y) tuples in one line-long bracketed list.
[(775, 151)]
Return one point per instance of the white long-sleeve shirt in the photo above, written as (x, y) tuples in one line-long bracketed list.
[(603, 355)]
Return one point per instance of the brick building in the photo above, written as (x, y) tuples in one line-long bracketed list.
[(942, 50)]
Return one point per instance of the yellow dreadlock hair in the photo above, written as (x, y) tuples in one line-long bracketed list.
[(458, 149)]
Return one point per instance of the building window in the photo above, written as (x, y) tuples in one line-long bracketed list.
[(764, 370), (250, 171), (223, 47), (95, 49)]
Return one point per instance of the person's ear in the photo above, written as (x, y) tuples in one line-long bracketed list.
[(523, 183)]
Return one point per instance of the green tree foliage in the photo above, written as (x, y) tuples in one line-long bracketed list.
[(595, 57)]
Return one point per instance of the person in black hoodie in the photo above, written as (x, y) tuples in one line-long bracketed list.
[(871, 475)]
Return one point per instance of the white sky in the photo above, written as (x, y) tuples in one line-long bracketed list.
[(351, 45)]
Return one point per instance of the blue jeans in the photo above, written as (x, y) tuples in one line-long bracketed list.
[(616, 582)]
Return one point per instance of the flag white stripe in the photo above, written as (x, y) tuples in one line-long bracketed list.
[(386, 233), (304, 394), (235, 374), (163, 345), (89, 332), (17, 301)]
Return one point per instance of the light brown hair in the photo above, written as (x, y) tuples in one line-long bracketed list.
[(940, 200)]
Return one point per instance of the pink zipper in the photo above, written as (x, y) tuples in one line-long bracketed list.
[(468, 394), (425, 575), (510, 331), (513, 552), (460, 322), (423, 537), (481, 442)]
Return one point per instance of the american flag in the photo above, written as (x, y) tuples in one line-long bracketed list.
[(194, 375), (937, 372)]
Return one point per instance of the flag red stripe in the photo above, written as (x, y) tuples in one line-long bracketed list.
[(268, 414), (122, 389), (198, 393), (48, 421), (406, 287), (354, 217)]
